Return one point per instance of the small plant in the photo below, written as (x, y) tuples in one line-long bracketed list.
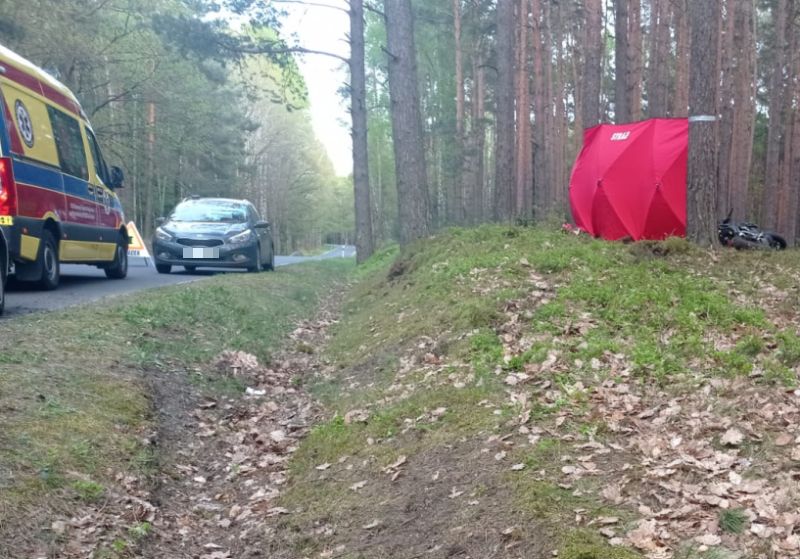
[(88, 491), (732, 521), (140, 530)]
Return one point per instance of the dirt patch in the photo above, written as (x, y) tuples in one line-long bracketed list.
[(224, 459), (447, 501)]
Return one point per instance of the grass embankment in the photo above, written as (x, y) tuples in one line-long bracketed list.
[(75, 401), (513, 392)]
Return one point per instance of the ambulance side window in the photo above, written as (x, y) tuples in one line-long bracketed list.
[(69, 144), (99, 164)]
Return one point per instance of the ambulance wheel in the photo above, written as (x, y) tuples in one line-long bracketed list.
[(48, 260), (2, 288), (190, 269), (163, 268), (119, 267)]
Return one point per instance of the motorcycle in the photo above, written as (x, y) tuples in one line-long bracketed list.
[(748, 236)]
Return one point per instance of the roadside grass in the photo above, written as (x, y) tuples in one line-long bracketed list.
[(75, 406), (672, 315)]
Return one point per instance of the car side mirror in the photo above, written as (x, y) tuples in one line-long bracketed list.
[(160, 221), (262, 225), (117, 178)]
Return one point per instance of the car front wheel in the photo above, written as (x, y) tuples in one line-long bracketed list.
[(163, 268), (271, 264), (258, 266)]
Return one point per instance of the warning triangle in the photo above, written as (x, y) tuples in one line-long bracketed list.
[(136, 246)]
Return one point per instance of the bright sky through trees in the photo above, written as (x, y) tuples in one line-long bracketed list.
[(325, 29)]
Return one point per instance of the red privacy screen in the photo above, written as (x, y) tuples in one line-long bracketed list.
[(629, 180)]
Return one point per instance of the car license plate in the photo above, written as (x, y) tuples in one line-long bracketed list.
[(201, 253)]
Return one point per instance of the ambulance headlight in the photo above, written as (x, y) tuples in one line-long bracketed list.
[(162, 235)]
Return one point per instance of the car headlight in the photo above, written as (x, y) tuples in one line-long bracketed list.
[(243, 237), (162, 235)]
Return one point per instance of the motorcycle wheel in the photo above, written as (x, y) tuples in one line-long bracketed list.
[(776, 241)]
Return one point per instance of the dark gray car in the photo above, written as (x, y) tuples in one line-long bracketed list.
[(214, 233)]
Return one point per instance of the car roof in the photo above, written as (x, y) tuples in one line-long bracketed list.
[(222, 200)]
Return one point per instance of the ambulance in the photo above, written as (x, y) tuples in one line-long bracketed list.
[(57, 195)]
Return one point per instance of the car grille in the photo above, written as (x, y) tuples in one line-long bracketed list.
[(200, 242)]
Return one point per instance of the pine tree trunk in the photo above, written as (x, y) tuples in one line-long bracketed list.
[(794, 178), (151, 168), (745, 113), (658, 75), (635, 58), (479, 134), (622, 103), (558, 97), (680, 106), (728, 105), (504, 94), (702, 181), (593, 64), (524, 164), (540, 128), (409, 144), (460, 111), (459, 188), (772, 177), (358, 110), (787, 198)]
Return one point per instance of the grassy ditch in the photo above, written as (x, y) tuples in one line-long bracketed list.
[(477, 359), (75, 407)]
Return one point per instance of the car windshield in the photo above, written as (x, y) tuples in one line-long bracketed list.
[(210, 211)]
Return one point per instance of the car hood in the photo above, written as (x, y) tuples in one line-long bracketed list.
[(201, 230)]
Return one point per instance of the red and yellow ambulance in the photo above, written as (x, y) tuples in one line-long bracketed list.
[(57, 199)]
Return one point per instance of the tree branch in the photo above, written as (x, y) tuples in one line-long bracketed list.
[(281, 50), (392, 56), (312, 4), (374, 10)]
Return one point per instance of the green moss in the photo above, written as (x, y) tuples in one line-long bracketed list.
[(585, 544)]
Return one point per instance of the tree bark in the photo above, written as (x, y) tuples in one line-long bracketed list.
[(635, 58), (151, 168), (745, 114), (622, 103), (459, 68), (459, 188), (558, 96), (787, 197), (478, 145), (409, 145), (541, 181), (658, 75), (701, 196), (776, 130), (728, 106), (680, 106), (524, 163), (358, 111), (593, 64), (504, 94)]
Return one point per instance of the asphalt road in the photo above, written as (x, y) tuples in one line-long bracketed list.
[(86, 284)]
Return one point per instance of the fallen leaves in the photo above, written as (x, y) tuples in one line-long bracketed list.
[(358, 485), (732, 437)]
